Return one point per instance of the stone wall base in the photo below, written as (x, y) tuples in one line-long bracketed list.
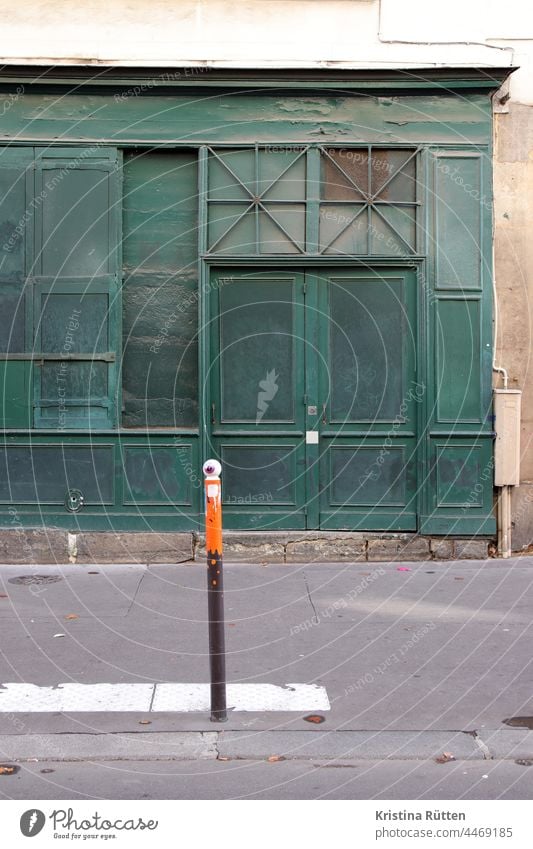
[(46, 546), (522, 517)]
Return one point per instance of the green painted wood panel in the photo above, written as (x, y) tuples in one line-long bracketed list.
[(259, 474), (16, 238), (458, 360), (274, 118), (461, 491), (368, 483), (160, 290), (257, 360), (368, 475), (12, 326), (94, 463), (157, 475), (458, 217), (15, 394), (369, 333), (80, 319), (77, 217), (43, 474), (16, 213)]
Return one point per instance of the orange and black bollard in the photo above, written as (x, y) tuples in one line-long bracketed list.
[(215, 589)]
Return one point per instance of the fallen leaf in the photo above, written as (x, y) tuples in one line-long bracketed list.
[(145, 721), (231, 624), (458, 579), (47, 770), (317, 718), (274, 758), (445, 758), (222, 758), (403, 569), (7, 770), (3, 595), (72, 616)]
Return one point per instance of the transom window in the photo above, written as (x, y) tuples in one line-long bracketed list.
[(277, 199)]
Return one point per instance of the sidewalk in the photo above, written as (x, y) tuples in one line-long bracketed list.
[(417, 659)]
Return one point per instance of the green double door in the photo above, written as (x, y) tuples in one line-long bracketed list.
[(313, 397)]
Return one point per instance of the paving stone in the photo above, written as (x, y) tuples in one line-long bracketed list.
[(104, 547), (509, 743), (441, 549), (334, 549), (187, 745), (373, 745), (254, 547), (412, 548), (33, 546), (473, 549)]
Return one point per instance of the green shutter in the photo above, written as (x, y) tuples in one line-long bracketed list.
[(77, 293), (459, 490), (160, 290), (16, 239)]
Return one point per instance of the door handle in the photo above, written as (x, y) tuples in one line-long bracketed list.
[(324, 413)]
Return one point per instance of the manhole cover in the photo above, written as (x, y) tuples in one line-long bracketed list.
[(35, 579)]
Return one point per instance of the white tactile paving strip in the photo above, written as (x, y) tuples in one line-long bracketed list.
[(69, 698), (168, 698), (245, 697)]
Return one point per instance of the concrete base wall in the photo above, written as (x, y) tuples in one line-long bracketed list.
[(54, 546), (522, 517)]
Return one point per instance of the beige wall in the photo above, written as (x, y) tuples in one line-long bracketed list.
[(248, 32), (513, 257)]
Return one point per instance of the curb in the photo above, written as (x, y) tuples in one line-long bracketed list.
[(275, 745)]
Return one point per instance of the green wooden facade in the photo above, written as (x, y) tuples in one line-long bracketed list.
[(291, 273)]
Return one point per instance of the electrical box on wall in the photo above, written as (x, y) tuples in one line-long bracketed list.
[(507, 448)]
